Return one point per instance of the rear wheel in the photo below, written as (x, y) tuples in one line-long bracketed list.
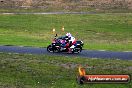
[(49, 48)]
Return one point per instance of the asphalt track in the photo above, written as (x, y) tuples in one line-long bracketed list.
[(84, 53)]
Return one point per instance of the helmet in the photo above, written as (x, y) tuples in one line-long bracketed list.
[(68, 34)]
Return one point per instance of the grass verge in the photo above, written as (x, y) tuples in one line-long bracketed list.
[(38, 71)]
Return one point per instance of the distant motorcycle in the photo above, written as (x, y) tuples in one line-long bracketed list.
[(56, 46)]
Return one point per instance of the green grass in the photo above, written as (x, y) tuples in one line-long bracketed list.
[(98, 31), (42, 71)]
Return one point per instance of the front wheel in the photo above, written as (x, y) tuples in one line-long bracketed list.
[(78, 50), (49, 48)]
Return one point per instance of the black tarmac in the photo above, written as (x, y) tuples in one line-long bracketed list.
[(84, 53)]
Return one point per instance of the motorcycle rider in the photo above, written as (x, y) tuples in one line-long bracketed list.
[(71, 41), (67, 42)]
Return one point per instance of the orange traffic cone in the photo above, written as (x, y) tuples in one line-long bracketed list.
[(62, 29), (53, 31)]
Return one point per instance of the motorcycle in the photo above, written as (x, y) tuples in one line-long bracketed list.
[(56, 46)]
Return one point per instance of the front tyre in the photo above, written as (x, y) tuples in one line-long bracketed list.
[(78, 50)]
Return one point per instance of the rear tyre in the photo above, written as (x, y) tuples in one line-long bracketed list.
[(50, 49)]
